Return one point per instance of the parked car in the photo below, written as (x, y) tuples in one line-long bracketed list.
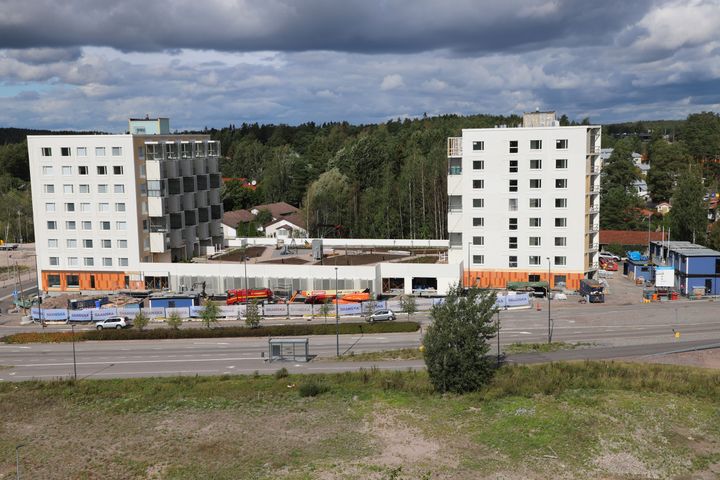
[(382, 315), (114, 322), (609, 256), (9, 246)]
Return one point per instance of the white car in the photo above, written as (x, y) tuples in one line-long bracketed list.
[(381, 316), (114, 322), (609, 256)]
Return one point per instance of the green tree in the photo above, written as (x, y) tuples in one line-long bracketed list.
[(141, 321), (328, 201), (408, 305), (456, 343), (324, 310), (667, 160), (252, 315), (688, 217), (621, 210), (713, 239), (369, 308), (174, 321), (209, 315), (701, 134)]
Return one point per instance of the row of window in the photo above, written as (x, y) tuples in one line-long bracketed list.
[(479, 241), (67, 170), (535, 183), (514, 165), (86, 225), (560, 144), (513, 260), (85, 207), (560, 222), (88, 261), (513, 203), (85, 188), (82, 151), (87, 243)]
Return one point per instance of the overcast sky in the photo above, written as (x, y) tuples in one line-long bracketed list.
[(91, 64)]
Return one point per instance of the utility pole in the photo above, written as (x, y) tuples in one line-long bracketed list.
[(72, 327), (498, 338), (548, 295), (17, 460), (337, 316)]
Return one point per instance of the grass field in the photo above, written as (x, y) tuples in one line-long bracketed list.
[(543, 347), (572, 420)]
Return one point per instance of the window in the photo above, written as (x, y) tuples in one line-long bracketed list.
[(535, 222), (560, 260), (561, 222), (72, 261), (534, 260), (86, 225), (107, 262), (52, 225), (119, 188), (121, 225), (513, 146), (535, 203), (99, 151), (54, 261), (480, 145), (102, 170), (66, 171), (512, 223), (560, 241), (49, 188), (479, 241), (104, 225), (81, 151), (535, 144), (88, 261), (87, 243), (120, 207), (70, 207), (85, 207), (561, 183), (72, 281), (145, 225), (116, 151), (47, 152), (103, 207), (478, 164), (123, 262), (117, 170), (49, 207), (106, 243), (122, 244), (561, 144), (513, 185), (53, 281), (533, 278), (67, 188), (513, 168), (52, 243), (535, 164), (83, 188), (560, 279), (535, 183), (478, 183), (534, 241), (478, 259), (561, 163), (561, 203), (71, 243), (142, 171), (47, 170), (512, 261), (478, 202), (83, 170), (478, 222), (65, 151), (103, 188), (70, 225), (513, 204), (512, 242)]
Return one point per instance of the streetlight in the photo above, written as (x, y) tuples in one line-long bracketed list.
[(17, 460), (72, 327), (247, 293), (498, 338), (337, 316), (548, 295)]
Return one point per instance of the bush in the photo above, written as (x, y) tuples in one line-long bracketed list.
[(174, 321), (312, 389), (282, 373), (141, 321)]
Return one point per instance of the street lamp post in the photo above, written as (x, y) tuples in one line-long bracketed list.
[(337, 316), (548, 295), (72, 327), (247, 293), (498, 338)]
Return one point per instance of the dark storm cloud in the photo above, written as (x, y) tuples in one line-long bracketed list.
[(285, 25), (39, 56)]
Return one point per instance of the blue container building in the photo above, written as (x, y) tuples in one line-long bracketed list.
[(696, 267)]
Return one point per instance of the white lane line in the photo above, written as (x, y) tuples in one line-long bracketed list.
[(525, 333), (123, 374), (107, 362)]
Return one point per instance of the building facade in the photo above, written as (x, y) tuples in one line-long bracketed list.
[(524, 202), (104, 204)]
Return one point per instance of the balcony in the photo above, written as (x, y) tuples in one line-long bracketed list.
[(454, 147), (213, 165), (213, 148), (203, 231), (593, 229), (172, 168), (176, 239), (188, 201), (200, 166), (594, 210), (593, 247), (154, 170), (159, 242), (454, 185), (593, 150), (186, 167), (596, 170), (174, 203), (455, 220), (214, 196), (216, 229), (201, 199), (594, 191), (200, 149), (157, 206)]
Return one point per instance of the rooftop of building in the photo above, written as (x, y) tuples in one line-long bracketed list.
[(688, 249), (628, 237)]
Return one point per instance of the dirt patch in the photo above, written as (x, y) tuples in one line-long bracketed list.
[(287, 261), (361, 259), (237, 255), (623, 464)]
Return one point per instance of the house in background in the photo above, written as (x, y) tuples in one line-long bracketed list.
[(663, 208), (274, 220)]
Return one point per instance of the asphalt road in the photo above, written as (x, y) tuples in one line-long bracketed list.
[(611, 331)]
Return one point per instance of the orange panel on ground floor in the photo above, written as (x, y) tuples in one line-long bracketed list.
[(500, 278), (62, 281)]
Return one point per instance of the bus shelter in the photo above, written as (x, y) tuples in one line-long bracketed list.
[(295, 349)]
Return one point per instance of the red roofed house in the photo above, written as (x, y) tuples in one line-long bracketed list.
[(628, 238), (286, 221)]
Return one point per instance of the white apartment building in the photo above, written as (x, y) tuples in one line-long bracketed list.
[(524, 202), (105, 204)]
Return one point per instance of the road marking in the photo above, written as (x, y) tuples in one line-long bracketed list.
[(525, 333), (139, 362)]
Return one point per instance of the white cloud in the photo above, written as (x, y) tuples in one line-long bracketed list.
[(391, 82)]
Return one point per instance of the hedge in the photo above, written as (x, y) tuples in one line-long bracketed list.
[(169, 333)]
